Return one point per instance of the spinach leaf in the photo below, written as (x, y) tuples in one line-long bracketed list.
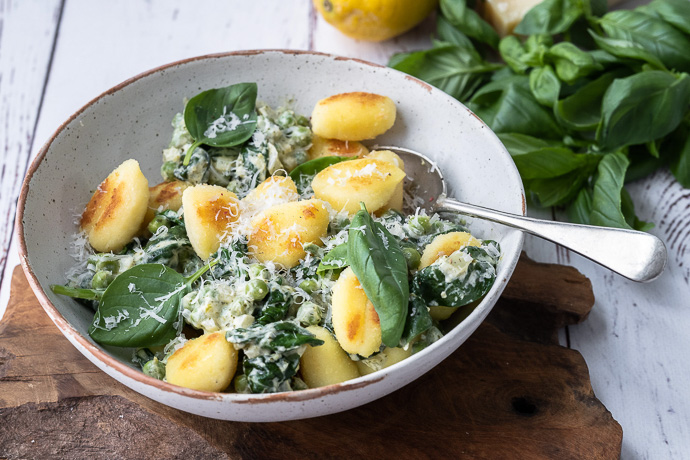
[(141, 307), (508, 106), (472, 273), (581, 111), (626, 49), (379, 264), (275, 306), (468, 21), (653, 34), (335, 259), (642, 107), (545, 85), (222, 117), (675, 12), (270, 373), (280, 337), (606, 198), (571, 62), (418, 320), (304, 173), (550, 17), (450, 68)]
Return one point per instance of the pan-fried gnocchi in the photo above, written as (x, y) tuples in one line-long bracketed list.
[(291, 259)]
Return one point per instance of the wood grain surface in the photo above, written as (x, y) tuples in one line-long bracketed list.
[(56, 55), (509, 392)]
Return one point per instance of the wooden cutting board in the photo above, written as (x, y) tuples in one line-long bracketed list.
[(509, 392)]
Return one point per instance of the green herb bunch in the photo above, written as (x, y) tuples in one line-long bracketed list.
[(583, 100)]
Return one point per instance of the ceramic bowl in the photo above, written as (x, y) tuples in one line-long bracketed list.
[(133, 119)]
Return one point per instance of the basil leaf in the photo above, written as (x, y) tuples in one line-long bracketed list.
[(626, 49), (513, 51), (379, 264), (653, 34), (446, 32), (469, 22), (675, 12), (559, 190), (545, 85), (508, 106), (551, 162), (450, 68), (571, 62), (628, 210), (518, 144), (335, 259), (642, 163), (642, 107), (679, 144), (304, 173), (140, 308), (581, 208), (606, 198), (581, 111), (550, 17), (222, 117)]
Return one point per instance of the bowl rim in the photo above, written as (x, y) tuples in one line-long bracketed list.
[(99, 353)]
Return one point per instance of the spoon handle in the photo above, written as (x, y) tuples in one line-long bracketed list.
[(635, 255)]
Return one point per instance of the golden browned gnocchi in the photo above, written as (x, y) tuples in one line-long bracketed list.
[(166, 195), (117, 208), (371, 181), (321, 147), (353, 116), (355, 321), (206, 363), (209, 211), (446, 244), (326, 364), (396, 200), (280, 232)]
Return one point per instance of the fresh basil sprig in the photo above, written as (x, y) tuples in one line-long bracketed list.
[(379, 264), (141, 307), (594, 84), (222, 117)]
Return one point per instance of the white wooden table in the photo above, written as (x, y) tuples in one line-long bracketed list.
[(56, 55)]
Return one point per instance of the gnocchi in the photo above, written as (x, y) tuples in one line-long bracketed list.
[(209, 211), (353, 116)]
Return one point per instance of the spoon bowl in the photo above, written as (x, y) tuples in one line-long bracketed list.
[(638, 256)]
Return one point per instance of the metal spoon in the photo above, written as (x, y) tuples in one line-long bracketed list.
[(635, 255)]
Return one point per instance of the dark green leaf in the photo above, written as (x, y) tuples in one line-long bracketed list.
[(221, 117), (582, 110), (550, 17), (468, 21), (379, 264), (642, 107), (581, 208), (279, 337), (304, 173), (275, 306), (418, 320), (653, 34), (571, 62), (518, 144), (606, 198), (508, 106), (536, 47), (625, 49), (549, 162), (335, 259), (448, 67), (512, 51), (676, 12), (545, 85), (449, 34), (270, 373), (559, 190), (679, 146), (140, 308), (628, 209)]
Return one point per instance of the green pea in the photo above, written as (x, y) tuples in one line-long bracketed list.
[(311, 248), (419, 224), (155, 369), (309, 286), (157, 222), (309, 314), (241, 385), (258, 271), (286, 119), (301, 135), (102, 279), (168, 170), (412, 257), (256, 289), (112, 266), (302, 120)]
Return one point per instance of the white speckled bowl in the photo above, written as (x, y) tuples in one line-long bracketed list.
[(132, 120)]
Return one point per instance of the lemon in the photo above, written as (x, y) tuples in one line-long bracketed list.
[(374, 20)]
